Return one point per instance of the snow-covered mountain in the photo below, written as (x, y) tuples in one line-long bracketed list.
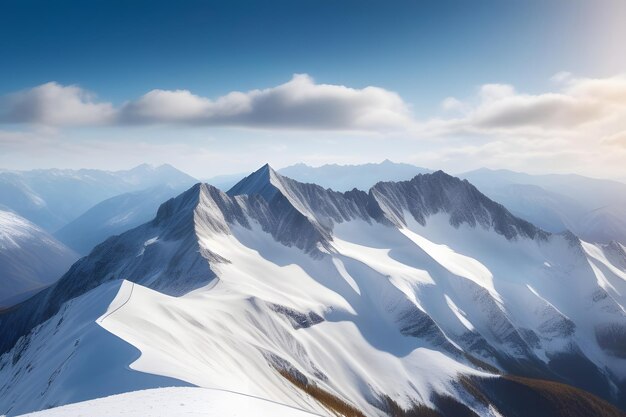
[(51, 198), (593, 209), (30, 259), (408, 299), (347, 177), (114, 216)]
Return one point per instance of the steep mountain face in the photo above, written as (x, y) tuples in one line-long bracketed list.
[(51, 198), (593, 209), (30, 259), (114, 216), (412, 296), (347, 177)]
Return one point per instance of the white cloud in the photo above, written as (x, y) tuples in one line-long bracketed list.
[(582, 103), (297, 104), (616, 139), (578, 127), (607, 90), (452, 104), (181, 106), (52, 104), (494, 92), (545, 111), (303, 104)]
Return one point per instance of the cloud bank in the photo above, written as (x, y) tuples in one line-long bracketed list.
[(55, 105), (297, 104), (579, 126), (580, 103)]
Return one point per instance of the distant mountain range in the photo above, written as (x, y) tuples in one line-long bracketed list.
[(416, 297), (334, 176), (116, 215), (34, 203), (593, 209), (30, 259), (51, 198), (347, 177), (224, 182)]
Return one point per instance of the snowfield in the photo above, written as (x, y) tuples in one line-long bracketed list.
[(171, 402)]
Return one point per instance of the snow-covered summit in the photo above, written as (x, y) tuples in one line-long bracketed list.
[(428, 194), (421, 197), (263, 182)]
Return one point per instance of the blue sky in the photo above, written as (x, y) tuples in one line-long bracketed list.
[(424, 52)]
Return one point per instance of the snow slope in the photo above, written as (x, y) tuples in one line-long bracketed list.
[(169, 402), (391, 296), (70, 358), (30, 259)]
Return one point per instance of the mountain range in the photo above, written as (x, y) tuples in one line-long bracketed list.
[(51, 198), (594, 209), (335, 176), (116, 215), (30, 259), (417, 297), (347, 177)]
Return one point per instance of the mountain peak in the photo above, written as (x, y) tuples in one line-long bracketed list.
[(264, 182), (428, 194), (184, 202)]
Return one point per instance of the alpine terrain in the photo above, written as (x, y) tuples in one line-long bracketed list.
[(416, 298)]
